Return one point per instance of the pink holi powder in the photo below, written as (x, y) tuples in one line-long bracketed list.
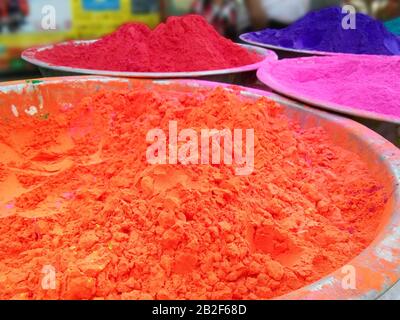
[(369, 83)]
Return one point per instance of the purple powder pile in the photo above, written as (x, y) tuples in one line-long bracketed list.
[(322, 31)]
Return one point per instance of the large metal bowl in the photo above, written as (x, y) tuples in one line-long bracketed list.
[(377, 267), (285, 53), (242, 75), (282, 52), (266, 75)]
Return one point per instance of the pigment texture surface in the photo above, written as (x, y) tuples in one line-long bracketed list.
[(323, 31), (367, 83), (84, 201), (186, 43)]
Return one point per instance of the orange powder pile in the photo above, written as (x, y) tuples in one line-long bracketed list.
[(115, 227)]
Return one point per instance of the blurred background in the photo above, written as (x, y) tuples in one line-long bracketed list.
[(27, 23)]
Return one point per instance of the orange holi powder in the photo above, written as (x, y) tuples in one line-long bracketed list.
[(112, 226)]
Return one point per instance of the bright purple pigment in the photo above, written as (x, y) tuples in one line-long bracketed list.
[(322, 31)]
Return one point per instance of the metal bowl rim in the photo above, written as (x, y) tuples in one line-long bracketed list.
[(29, 56), (377, 145), (265, 75), (244, 37)]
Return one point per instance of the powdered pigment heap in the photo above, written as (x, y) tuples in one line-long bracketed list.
[(89, 205), (323, 31), (366, 83), (186, 43)]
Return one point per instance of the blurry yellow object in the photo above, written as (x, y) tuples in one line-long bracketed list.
[(93, 24), (84, 24), (87, 19), (26, 40)]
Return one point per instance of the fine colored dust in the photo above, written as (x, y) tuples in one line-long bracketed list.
[(181, 44), (329, 30), (326, 80), (80, 196)]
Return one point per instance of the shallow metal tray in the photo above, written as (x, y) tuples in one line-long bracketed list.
[(377, 266)]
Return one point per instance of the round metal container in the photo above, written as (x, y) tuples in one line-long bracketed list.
[(287, 53), (266, 76), (240, 75), (282, 52), (377, 267)]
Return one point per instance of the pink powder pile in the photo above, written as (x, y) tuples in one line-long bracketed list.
[(368, 83)]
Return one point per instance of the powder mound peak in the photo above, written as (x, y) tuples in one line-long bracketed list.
[(323, 31), (182, 44), (132, 29)]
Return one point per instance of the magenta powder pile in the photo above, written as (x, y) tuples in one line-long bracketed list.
[(182, 44), (369, 83)]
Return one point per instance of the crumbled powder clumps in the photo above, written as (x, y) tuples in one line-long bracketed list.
[(3, 172), (115, 227)]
